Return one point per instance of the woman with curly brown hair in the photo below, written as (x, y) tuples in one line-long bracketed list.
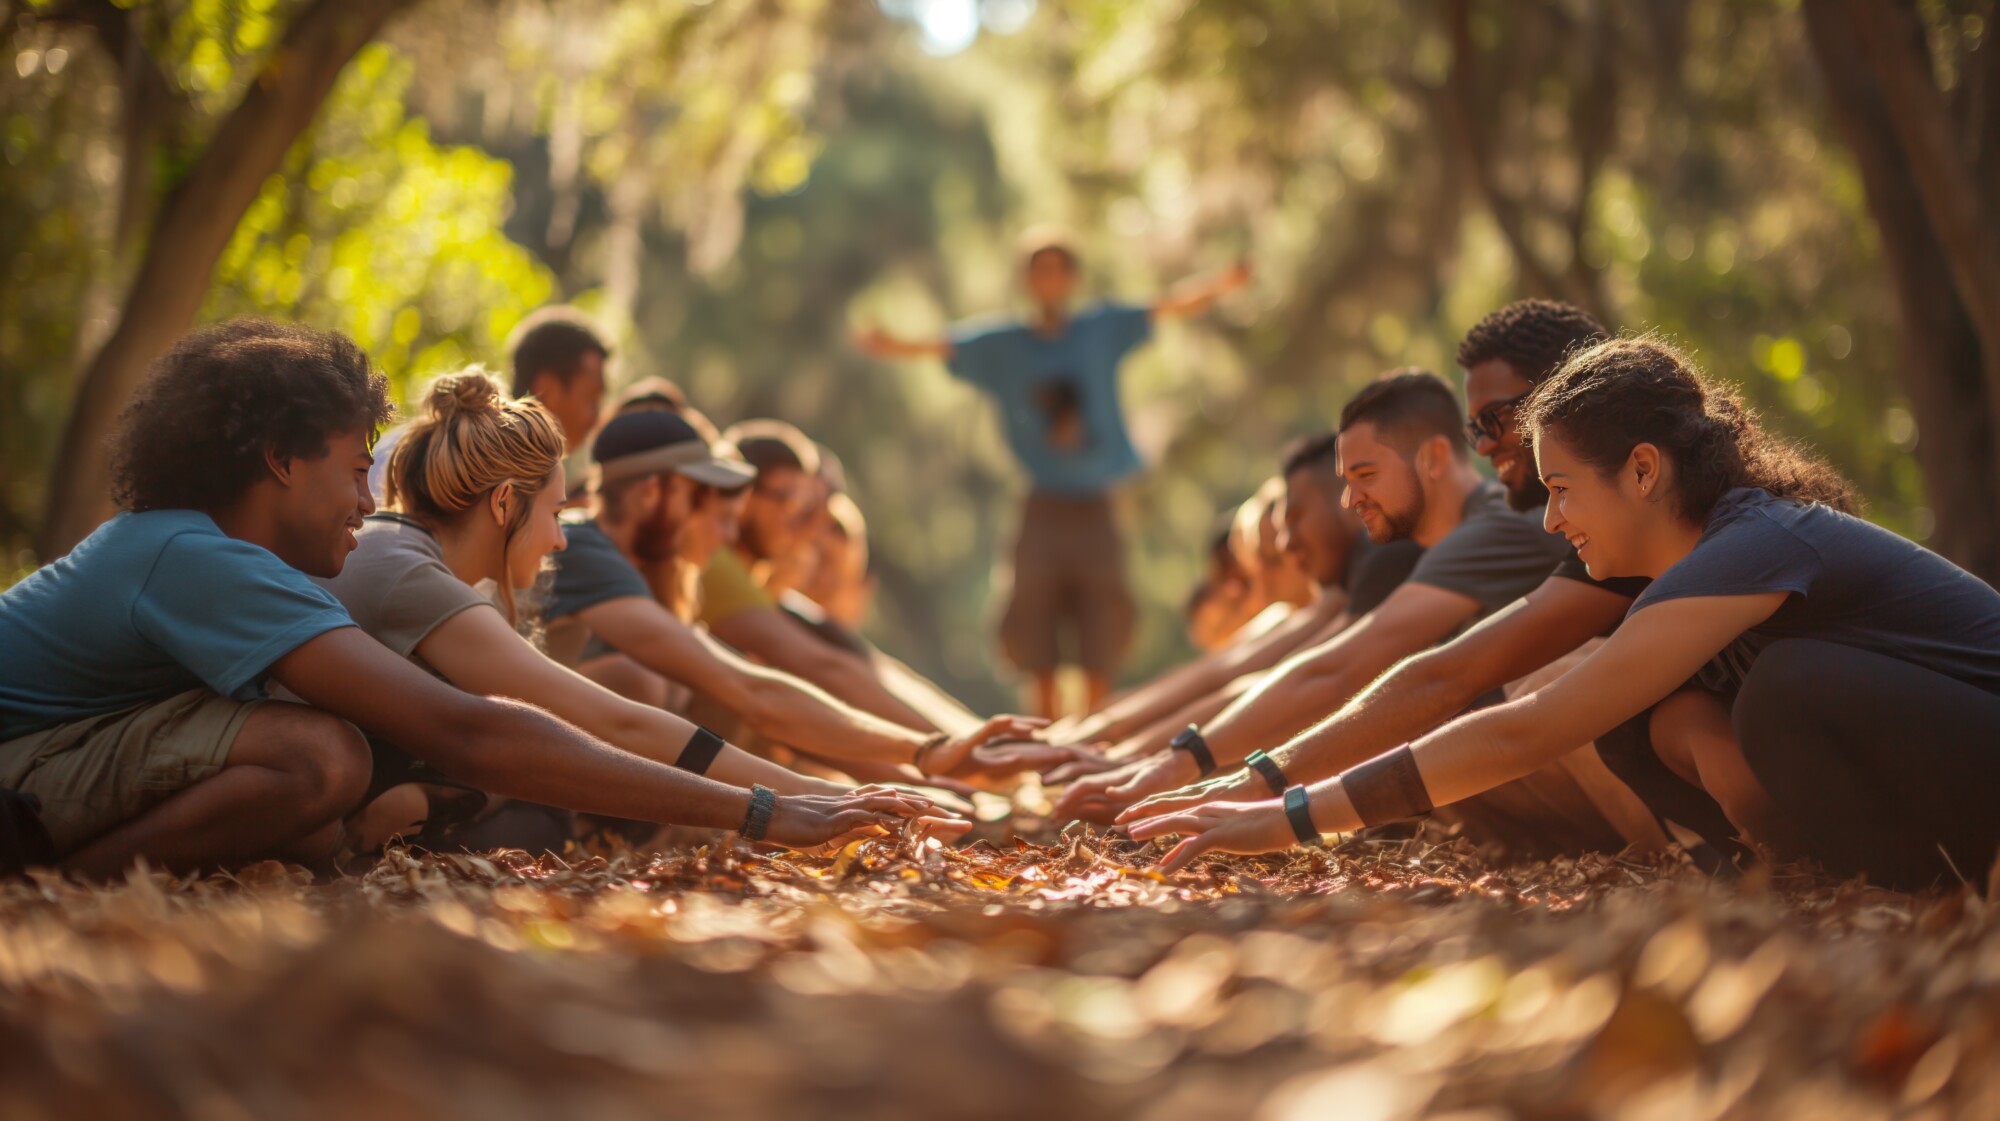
[(1860, 672)]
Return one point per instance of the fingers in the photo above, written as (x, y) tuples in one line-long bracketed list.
[(943, 828), (1180, 855), (847, 823), (1167, 823), (1174, 801)]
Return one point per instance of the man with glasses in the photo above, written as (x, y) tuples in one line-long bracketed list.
[(1529, 643), (1409, 476)]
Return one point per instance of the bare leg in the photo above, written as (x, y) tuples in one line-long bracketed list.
[(1691, 731), (1097, 686), (1048, 696), (292, 774)]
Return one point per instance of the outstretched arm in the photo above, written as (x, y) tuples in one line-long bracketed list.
[(1195, 296), (776, 703), (882, 344), (1425, 690), (1650, 656), (518, 751), (1307, 686), (477, 651), (1167, 693)]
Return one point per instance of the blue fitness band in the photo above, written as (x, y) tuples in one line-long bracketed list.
[(1274, 775), (1298, 811), (1191, 742)]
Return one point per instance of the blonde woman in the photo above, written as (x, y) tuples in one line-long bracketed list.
[(474, 488)]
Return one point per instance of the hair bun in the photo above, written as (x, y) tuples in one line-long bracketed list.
[(470, 391)]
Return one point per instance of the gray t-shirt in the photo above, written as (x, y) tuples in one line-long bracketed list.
[(1495, 556), (396, 585), (1852, 583)]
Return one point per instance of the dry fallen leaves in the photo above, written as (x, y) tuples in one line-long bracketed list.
[(892, 979)]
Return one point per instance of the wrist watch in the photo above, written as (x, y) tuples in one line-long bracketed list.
[(1274, 775), (1191, 742), (1298, 810)]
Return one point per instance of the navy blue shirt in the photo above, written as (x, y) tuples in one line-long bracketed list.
[(1851, 582), (148, 606), (590, 570)]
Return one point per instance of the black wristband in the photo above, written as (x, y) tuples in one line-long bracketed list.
[(1387, 788), (757, 821), (1191, 742), (1273, 774), (700, 752), (1298, 811)]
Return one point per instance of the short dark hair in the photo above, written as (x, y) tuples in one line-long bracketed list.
[(771, 444), (1408, 406), (552, 341), (1317, 451), (196, 433), (1532, 336)]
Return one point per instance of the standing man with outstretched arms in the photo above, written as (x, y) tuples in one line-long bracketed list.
[(1055, 380)]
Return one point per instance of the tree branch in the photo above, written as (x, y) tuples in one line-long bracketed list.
[(194, 226)]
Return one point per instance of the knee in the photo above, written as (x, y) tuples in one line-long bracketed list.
[(330, 758)]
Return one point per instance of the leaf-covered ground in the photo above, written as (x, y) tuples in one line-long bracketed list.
[(1003, 980)]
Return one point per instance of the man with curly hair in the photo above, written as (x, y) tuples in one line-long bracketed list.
[(133, 670), (1518, 649)]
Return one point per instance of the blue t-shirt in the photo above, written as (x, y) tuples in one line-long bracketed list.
[(1058, 397), (1852, 582), (590, 570), (148, 606)]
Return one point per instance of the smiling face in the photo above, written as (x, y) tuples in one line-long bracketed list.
[(711, 523), (324, 499), (1604, 517), (784, 507), (540, 535), (1489, 385), (1382, 485)]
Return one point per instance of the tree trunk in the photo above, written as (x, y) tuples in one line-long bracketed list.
[(193, 228), (1944, 367)]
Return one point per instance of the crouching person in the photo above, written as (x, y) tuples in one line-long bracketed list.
[(133, 671)]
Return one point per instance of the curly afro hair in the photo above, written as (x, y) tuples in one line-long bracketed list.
[(196, 433), (1532, 336)]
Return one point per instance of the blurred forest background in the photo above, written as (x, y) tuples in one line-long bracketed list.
[(1807, 195)]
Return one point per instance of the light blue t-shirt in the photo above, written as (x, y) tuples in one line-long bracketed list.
[(148, 606), (1058, 397)]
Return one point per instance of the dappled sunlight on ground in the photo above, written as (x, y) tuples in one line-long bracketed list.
[(1005, 979)]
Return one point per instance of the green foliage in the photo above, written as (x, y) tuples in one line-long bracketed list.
[(374, 230)]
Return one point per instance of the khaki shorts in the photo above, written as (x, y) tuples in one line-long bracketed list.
[(1069, 602), (98, 772)]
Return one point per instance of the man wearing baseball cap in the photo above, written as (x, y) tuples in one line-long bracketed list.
[(664, 498)]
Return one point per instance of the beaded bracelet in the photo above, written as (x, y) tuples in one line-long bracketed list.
[(757, 821)]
